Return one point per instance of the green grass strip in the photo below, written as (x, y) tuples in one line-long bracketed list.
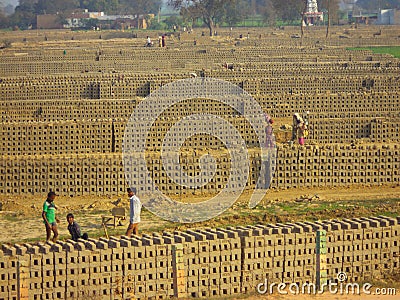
[(392, 50)]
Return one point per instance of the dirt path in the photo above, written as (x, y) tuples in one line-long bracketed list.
[(20, 217)]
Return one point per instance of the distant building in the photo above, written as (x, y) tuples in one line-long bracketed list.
[(312, 15), (365, 18), (127, 21), (389, 17), (79, 19)]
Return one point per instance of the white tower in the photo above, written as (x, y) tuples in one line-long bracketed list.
[(312, 6), (312, 15)]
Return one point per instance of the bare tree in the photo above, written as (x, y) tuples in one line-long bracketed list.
[(332, 8)]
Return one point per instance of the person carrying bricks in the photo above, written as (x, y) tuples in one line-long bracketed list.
[(297, 120), (135, 207), (301, 133), (269, 134), (74, 229), (49, 217)]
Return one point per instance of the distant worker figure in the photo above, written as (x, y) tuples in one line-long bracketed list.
[(297, 120), (74, 229), (301, 133), (163, 41), (49, 217), (269, 134), (135, 207), (149, 42), (305, 117), (159, 42)]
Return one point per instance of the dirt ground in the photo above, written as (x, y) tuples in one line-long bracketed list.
[(20, 216)]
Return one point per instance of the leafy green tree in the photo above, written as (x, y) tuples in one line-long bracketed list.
[(108, 6), (139, 6), (24, 15), (174, 20), (55, 6), (290, 10), (211, 12), (267, 10), (236, 12)]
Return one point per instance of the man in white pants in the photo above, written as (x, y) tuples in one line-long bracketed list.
[(134, 210)]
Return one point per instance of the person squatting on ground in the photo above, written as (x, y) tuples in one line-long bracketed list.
[(135, 207), (49, 217), (74, 229)]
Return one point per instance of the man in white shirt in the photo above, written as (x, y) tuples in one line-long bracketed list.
[(149, 43), (134, 210)]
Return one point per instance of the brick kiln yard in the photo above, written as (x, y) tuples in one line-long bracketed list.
[(20, 217), (66, 98)]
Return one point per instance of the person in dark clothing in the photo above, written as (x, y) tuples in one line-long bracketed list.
[(74, 229)]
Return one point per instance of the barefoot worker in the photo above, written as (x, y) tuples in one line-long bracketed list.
[(135, 208), (49, 217)]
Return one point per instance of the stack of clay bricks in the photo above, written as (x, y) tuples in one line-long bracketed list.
[(278, 253), (202, 263), (273, 101), (104, 174), (385, 129), (137, 268), (279, 81), (66, 110), (265, 37), (107, 135), (87, 96), (212, 260), (364, 248), (286, 104)]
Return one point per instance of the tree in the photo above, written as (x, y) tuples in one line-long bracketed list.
[(24, 15), (210, 11), (108, 6), (332, 7), (235, 12), (3, 20), (173, 20), (55, 6), (267, 10), (289, 10), (139, 6)]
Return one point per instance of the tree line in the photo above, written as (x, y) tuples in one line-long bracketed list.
[(25, 13), (210, 12), (230, 12)]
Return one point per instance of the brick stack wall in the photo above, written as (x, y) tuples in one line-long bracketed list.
[(201, 263)]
